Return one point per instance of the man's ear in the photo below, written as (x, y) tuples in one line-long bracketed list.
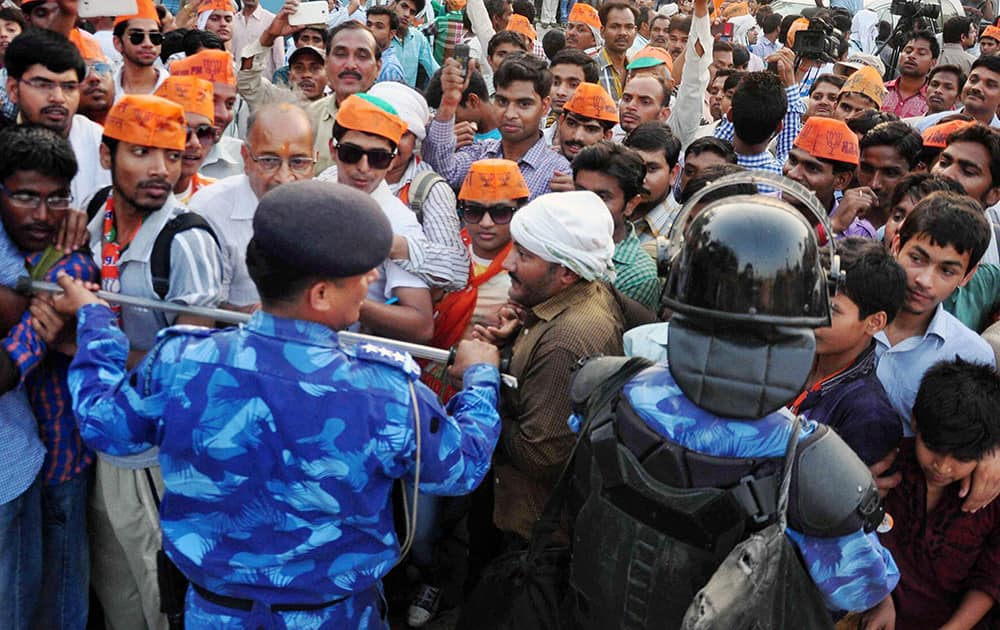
[(993, 196), (630, 206), (321, 296), (876, 322), (969, 275), (12, 90), (105, 154), (608, 133), (472, 101), (842, 180), (895, 246)]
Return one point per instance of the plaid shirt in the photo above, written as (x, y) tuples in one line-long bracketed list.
[(786, 138), (635, 271), (43, 375), (608, 76)]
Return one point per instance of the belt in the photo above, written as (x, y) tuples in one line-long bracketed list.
[(246, 605)]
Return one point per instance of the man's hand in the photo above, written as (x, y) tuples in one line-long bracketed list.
[(465, 133), (984, 483), (56, 330), (472, 352), (885, 484), (453, 84), (72, 232), (76, 293), (561, 182), (785, 59), (279, 27), (510, 316), (881, 617), (856, 202)]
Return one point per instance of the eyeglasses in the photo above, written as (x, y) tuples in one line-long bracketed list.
[(31, 200), (99, 67), (500, 213), (271, 163), (44, 85), (204, 133), (352, 154), (137, 37)]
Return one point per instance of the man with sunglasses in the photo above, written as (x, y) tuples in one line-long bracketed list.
[(195, 96), (97, 92), (139, 40)]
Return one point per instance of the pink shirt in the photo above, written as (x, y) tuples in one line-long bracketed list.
[(247, 30), (915, 105)]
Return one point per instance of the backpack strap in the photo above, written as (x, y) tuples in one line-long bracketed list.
[(97, 202), (420, 188), (159, 261)]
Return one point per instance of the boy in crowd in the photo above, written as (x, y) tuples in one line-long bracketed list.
[(659, 149), (570, 67), (862, 91), (944, 84), (949, 561), (587, 118), (823, 94), (888, 153), (842, 390), (475, 117)]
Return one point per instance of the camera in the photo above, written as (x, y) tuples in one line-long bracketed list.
[(816, 42), (909, 9)]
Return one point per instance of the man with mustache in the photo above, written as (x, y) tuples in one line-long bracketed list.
[(944, 85), (195, 96), (583, 30), (97, 92), (44, 72), (618, 29), (587, 118), (139, 40), (980, 95), (906, 96)]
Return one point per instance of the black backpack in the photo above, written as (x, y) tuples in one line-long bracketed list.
[(159, 260)]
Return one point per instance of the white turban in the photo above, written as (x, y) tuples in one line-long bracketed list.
[(573, 229), (410, 105)]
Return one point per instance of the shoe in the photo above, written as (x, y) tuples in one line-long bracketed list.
[(424, 606)]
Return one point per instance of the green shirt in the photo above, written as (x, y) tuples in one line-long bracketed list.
[(635, 271), (975, 303)]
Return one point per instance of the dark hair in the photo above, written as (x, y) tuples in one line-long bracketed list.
[(13, 14), (419, 4), (759, 105), (173, 43), (833, 79), (725, 72), (507, 37), (553, 43), (770, 23), (949, 219), (955, 411), (34, 148), (621, 163), (875, 281), (325, 35), (383, 9), (990, 62), (576, 57), (196, 40), (986, 137), (733, 79), (741, 56), (644, 15), (710, 144), (954, 28), (616, 5), (708, 175), (657, 76), (919, 185), (351, 25), (45, 48), (896, 134), (721, 46), (525, 8), (477, 86), (869, 119), (656, 17), (786, 23), (276, 280), (928, 37), (948, 68), (521, 67), (655, 136), (679, 22), (496, 7), (843, 45), (161, 12)]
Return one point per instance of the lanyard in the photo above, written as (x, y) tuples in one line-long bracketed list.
[(111, 252)]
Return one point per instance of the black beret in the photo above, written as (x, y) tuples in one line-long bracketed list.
[(322, 228)]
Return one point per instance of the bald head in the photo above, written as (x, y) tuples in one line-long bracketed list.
[(279, 147)]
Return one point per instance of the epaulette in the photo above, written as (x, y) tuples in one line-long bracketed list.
[(381, 354)]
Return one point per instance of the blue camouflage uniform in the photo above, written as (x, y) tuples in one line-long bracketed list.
[(853, 572), (278, 451)]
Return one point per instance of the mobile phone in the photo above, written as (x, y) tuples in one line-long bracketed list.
[(727, 32), (96, 8), (462, 57), (310, 13)]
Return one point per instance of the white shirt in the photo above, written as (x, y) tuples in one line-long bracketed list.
[(404, 223), (161, 76), (85, 138), (249, 29), (229, 206), (106, 39), (224, 160)]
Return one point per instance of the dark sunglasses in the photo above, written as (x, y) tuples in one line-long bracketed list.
[(352, 154), (500, 213), (204, 133), (137, 37), (99, 67)]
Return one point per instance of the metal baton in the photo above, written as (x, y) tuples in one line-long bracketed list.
[(346, 338)]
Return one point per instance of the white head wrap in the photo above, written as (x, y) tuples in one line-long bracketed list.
[(742, 24), (573, 229), (410, 105)]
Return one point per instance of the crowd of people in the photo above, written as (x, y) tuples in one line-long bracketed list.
[(533, 190)]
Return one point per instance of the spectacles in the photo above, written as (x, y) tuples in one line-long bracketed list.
[(99, 67), (44, 85), (352, 154), (137, 37), (205, 133), (31, 200), (271, 163), (500, 213)]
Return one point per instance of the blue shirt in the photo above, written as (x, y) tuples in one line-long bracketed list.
[(853, 572), (901, 367), (391, 70), (412, 51), (279, 449)]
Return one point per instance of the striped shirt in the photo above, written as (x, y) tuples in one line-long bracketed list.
[(635, 271), (786, 137), (43, 375), (608, 77)]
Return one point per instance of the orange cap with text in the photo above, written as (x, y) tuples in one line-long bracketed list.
[(370, 114), (936, 136), (147, 120), (191, 93), (829, 139), (992, 32), (216, 5), (592, 101), (212, 65), (800, 24), (145, 10), (582, 12), (520, 24), (87, 44), (867, 82), (493, 180)]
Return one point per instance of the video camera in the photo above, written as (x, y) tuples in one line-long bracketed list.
[(817, 42), (910, 9)]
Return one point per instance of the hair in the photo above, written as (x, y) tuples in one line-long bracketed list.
[(955, 70), (759, 105), (741, 56), (770, 23), (986, 137), (46, 48), (507, 37), (709, 175), (477, 86), (920, 185), (928, 37), (575, 57), (679, 22), (725, 72), (161, 12), (173, 43), (763, 10), (733, 79), (621, 163), (352, 25), (496, 8), (13, 14), (524, 68), (419, 4), (658, 76), (949, 219), (843, 45), (383, 9), (195, 41), (833, 79), (869, 119), (875, 280), (325, 35), (525, 8), (896, 134), (656, 17), (955, 28), (710, 144), (721, 46), (955, 411), (644, 15), (276, 280), (34, 148), (616, 5), (786, 23), (990, 62), (655, 136), (553, 43)]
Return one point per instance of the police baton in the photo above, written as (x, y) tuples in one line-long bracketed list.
[(346, 338)]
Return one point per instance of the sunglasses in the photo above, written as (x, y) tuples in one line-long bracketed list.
[(352, 154), (99, 67), (500, 213), (204, 133), (137, 37)]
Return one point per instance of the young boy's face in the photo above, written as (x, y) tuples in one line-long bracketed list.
[(932, 272), (847, 330), (941, 470)]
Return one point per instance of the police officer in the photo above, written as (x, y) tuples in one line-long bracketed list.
[(709, 428), (279, 447)]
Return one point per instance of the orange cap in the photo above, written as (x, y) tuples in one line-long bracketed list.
[(936, 136), (216, 5), (147, 120), (867, 82), (800, 24), (520, 24), (582, 12), (592, 101), (493, 180), (370, 114), (87, 44), (992, 32), (191, 93), (654, 56), (145, 10), (212, 65), (736, 10), (829, 139)]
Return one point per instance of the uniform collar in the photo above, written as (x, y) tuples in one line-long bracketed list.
[(297, 330)]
